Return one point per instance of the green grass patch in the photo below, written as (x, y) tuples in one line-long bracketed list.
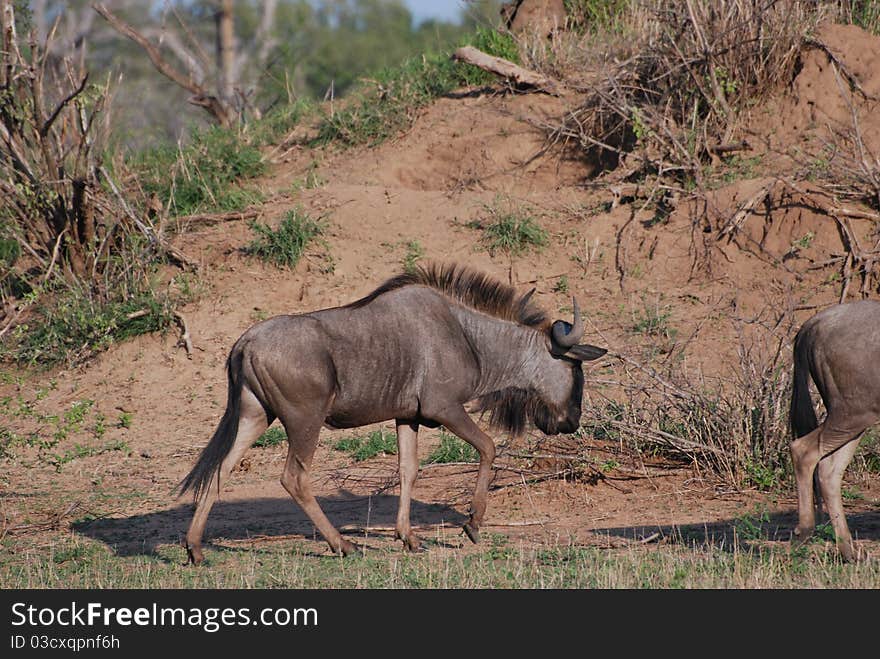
[(414, 253), (77, 562), (278, 122), (511, 230), (272, 437), (653, 320), (389, 102), (865, 14), (452, 449), (285, 246), (75, 324), (204, 175), (378, 442), (86, 451)]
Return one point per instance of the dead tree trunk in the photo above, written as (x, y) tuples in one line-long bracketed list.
[(225, 52)]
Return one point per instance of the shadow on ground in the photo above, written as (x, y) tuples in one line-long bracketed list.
[(265, 517), (747, 531)]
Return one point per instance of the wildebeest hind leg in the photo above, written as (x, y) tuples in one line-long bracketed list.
[(303, 439), (458, 421), (408, 460), (251, 424), (830, 473), (804, 458)]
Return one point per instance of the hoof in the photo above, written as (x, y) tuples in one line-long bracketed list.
[(472, 532), (852, 554), (194, 556), (412, 543), (346, 548), (800, 536)]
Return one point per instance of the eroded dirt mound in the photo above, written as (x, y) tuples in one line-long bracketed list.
[(838, 80)]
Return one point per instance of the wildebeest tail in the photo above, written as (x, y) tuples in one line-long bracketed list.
[(221, 443), (802, 414)]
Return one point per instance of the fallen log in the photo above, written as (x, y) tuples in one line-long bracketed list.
[(505, 69)]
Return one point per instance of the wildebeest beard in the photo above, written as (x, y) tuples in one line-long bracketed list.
[(511, 409)]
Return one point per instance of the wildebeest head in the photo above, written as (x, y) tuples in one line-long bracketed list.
[(553, 402)]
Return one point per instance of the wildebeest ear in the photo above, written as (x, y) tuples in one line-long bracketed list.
[(585, 352)]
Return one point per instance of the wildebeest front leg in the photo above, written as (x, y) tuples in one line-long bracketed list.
[(462, 425), (408, 459), (303, 439)]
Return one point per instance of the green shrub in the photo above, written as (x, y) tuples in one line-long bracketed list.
[(203, 176), (452, 449), (75, 324), (378, 442), (285, 245), (272, 437), (511, 229)]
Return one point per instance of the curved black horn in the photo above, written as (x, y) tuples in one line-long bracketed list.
[(569, 339)]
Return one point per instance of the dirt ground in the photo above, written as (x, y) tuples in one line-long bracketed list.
[(465, 155)]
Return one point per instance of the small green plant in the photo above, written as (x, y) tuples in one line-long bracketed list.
[(804, 241), (851, 494), (499, 547), (124, 420), (738, 167), (272, 437), (510, 229), (452, 449), (824, 532), (640, 129), (414, 252), (654, 321), (58, 460), (762, 476), (561, 285), (750, 525), (285, 245), (378, 442), (311, 180)]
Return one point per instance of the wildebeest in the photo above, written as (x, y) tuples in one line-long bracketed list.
[(424, 349), (840, 349)]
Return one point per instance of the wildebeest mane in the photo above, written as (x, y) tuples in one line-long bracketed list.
[(468, 287), (512, 409)]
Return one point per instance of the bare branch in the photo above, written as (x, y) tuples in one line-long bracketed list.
[(201, 97), (44, 129)]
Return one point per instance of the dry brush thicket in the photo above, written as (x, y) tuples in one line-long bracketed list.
[(665, 105)]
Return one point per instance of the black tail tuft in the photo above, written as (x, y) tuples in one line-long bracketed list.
[(221, 443), (802, 415)]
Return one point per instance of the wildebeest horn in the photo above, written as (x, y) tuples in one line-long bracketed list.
[(569, 339)]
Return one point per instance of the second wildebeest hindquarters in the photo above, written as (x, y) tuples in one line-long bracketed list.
[(417, 350), (840, 349)]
